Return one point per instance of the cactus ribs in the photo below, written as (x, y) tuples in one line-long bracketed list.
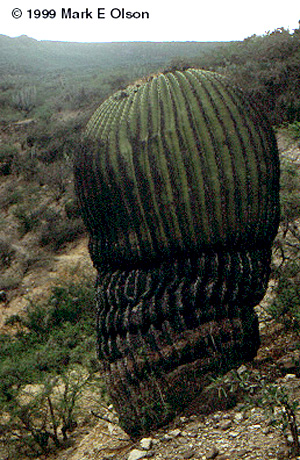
[(178, 180)]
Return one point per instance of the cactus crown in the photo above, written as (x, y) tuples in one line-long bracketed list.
[(181, 163)]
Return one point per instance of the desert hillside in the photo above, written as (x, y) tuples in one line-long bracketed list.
[(53, 403)]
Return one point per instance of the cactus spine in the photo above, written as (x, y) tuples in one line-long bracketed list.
[(178, 180)]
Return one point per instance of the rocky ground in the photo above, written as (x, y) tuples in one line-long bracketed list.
[(209, 428)]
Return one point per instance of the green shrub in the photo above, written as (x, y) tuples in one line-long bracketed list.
[(45, 367), (72, 209), (54, 140), (8, 154), (289, 190), (28, 218), (294, 129), (43, 415), (7, 253), (53, 333), (68, 303), (254, 389), (56, 232), (11, 194), (285, 308)]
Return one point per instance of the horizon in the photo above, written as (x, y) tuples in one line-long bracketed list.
[(113, 42)]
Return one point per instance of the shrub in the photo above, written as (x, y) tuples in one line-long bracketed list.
[(44, 414), (290, 190), (45, 368), (57, 176), (25, 99), (72, 208), (7, 252), (11, 194), (285, 308), (56, 232), (54, 140), (28, 218), (294, 129), (255, 390), (68, 303), (8, 154)]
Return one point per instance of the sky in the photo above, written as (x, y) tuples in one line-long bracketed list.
[(153, 20)]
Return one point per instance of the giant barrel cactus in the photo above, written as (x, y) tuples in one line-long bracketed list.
[(178, 181)]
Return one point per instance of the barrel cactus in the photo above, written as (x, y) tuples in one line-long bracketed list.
[(178, 180)]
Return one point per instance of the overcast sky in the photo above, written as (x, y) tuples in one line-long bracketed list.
[(156, 20)]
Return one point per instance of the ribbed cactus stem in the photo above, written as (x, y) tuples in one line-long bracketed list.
[(178, 180), (182, 320)]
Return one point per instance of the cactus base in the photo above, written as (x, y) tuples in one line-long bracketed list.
[(165, 330)]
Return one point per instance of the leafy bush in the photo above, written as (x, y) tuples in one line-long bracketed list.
[(7, 252), (67, 303), (266, 67), (294, 129), (44, 414), (72, 208), (58, 231), (286, 305), (45, 368), (28, 218), (285, 308), (55, 140), (11, 194), (289, 190), (8, 154)]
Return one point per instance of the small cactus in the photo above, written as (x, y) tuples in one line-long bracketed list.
[(178, 181)]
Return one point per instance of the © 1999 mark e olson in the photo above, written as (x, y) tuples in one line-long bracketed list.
[(102, 13), (69, 13)]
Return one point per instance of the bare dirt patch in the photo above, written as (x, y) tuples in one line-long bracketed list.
[(36, 285)]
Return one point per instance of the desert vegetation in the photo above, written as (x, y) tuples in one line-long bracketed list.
[(48, 362)]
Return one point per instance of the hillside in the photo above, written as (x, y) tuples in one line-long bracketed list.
[(48, 91), (26, 54), (44, 77)]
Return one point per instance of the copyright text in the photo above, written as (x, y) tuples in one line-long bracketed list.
[(69, 13)]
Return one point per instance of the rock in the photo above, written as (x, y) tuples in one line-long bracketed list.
[(290, 439), (255, 427), (290, 362), (172, 434), (238, 417), (146, 443), (289, 377), (136, 454), (225, 424), (213, 453), (233, 434), (193, 433), (111, 428), (187, 454), (244, 452)]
